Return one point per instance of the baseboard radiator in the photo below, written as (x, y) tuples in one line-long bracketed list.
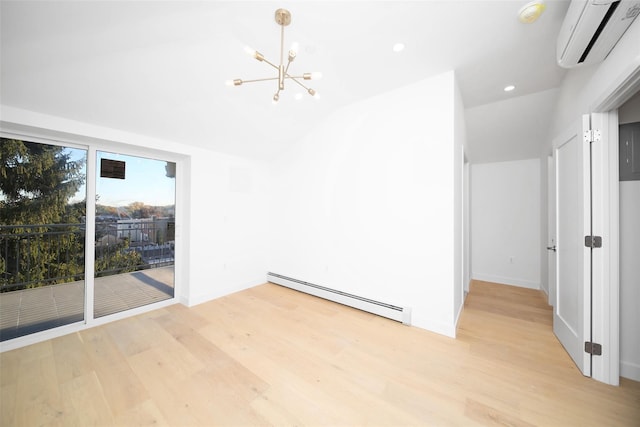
[(400, 314)]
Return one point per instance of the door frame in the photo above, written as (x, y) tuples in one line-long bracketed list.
[(605, 222), (606, 294)]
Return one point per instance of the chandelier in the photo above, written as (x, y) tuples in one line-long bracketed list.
[(283, 18)]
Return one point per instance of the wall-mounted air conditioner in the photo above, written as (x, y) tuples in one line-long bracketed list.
[(592, 28)]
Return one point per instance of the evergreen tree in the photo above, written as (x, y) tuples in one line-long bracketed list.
[(36, 183)]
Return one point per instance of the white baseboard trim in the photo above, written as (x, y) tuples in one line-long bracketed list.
[(220, 292), (630, 370), (446, 329), (183, 300), (400, 314), (513, 281)]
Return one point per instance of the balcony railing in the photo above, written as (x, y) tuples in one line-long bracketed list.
[(40, 254), (45, 254)]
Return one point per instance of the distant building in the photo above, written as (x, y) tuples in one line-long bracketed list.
[(146, 230)]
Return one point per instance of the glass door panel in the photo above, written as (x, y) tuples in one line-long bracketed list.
[(135, 232), (42, 236)]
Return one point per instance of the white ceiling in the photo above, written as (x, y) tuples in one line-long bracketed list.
[(158, 67)]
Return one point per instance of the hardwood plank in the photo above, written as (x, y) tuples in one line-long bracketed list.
[(9, 363), (84, 401), (71, 359), (37, 393), (8, 404), (273, 356), (142, 414), (139, 334), (100, 348), (489, 416), (216, 399), (274, 412), (121, 388)]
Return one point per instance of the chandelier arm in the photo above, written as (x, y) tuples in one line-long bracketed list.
[(286, 70), (259, 80), (276, 96), (270, 63), (295, 79)]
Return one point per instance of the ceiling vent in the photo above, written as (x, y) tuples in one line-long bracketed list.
[(592, 28)]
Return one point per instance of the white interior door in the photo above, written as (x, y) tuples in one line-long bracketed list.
[(572, 307)]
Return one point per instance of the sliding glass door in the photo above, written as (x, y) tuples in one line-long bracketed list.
[(134, 233), (46, 234), (42, 236)]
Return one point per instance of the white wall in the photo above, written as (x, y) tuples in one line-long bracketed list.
[(629, 279), (228, 225), (496, 139), (466, 226), (505, 222), (223, 197), (365, 202), (629, 256)]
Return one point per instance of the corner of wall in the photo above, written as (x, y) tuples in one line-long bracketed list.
[(459, 248)]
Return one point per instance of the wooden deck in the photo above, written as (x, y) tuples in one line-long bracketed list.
[(273, 356), (33, 310)]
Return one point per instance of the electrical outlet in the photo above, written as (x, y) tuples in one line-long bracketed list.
[(511, 259)]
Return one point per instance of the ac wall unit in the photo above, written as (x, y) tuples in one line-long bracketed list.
[(592, 28)]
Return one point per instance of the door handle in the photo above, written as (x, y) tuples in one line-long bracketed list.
[(551, 248)]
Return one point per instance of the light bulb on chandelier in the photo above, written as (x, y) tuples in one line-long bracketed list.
[(283, 18)]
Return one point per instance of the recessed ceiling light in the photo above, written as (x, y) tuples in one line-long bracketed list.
[(531, 11), (509, 88), (398, 47)]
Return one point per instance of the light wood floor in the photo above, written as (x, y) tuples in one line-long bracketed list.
[(272, 356)]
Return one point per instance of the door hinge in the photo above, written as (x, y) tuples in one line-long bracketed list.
[(593, 241), (592, 135), (593, 348)]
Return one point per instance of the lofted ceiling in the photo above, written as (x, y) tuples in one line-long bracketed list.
[(158, 67)]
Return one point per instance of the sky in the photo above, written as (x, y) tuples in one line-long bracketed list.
[(145, 181)]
